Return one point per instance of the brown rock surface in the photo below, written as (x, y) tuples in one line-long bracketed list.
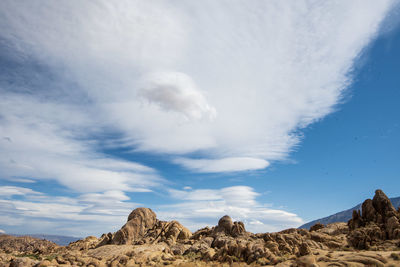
[(144, 227), (26, 244), (378, 222), (317, 226)]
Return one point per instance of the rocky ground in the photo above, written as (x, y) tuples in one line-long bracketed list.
[(370, 238)]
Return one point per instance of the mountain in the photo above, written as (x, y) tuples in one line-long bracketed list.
[(58, 239), (344, 216)]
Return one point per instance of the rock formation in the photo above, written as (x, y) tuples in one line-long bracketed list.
[(144, 227), (146, 241), (25, 244), (226, 242), (378, 221), (316, 227)]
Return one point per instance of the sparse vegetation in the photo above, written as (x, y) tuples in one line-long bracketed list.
[(31, 256)]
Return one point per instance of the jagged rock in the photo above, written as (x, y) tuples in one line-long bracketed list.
[(317, 226), (378, 221), (304, 249), (230, 244), (84, 244)]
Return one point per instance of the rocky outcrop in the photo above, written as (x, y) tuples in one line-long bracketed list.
[(87, 243), (146, 241), (143, 227), (316, 227), (26, 245), (228, 241), (378, 221)]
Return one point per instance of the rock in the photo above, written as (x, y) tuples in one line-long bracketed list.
[(317, 226), (307, 261), (139, 221), (173, 231), (335, 229), (208, 255), (379, 221), (304, 249), (383, 205), (22, 262), (84, 244), (393, 227), (45, 263), (224, 225), (26, 244), (227, 227), (238, 229), (143, 227)]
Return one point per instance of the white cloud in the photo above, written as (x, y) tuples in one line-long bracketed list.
[(233, 164), (52, 141), (87, 214), (201, 207), (8, 191), (269, 68), (96, 213), (176, 91)]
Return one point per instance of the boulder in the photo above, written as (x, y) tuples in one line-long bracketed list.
[(317, 226), (228, 227), (139, 222), (144, 227)]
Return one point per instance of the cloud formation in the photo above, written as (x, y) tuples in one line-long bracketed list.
[(77, 216), (268, 68), (8, 191), (175, 91), (46, 141), (96, 213), (232, 164), (197, 208)]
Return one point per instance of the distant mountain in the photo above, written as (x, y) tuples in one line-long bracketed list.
[(344, 216), (58, 239)]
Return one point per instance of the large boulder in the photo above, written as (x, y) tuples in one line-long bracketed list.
[(139, 222), (144, 227), (228, 227)]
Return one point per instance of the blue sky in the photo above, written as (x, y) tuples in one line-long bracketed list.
[(195, 110)]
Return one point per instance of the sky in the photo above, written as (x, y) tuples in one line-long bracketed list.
[(273, 112)]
